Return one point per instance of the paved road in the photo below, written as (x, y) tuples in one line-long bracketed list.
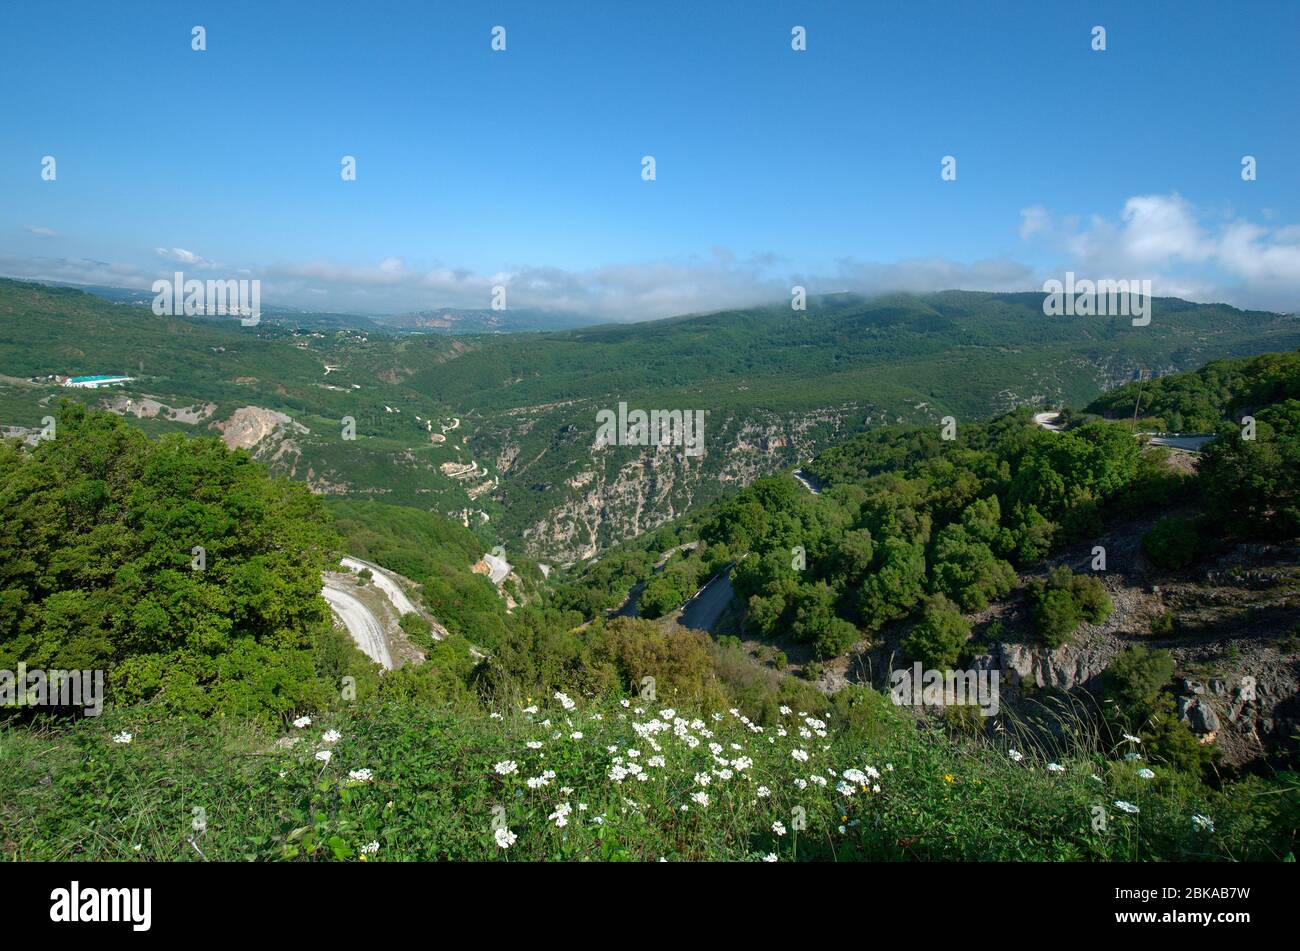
[(365, 628), (385, 583), (664, 556), (807, 481), (703, 611), (1189, 442), (1047, 421), (498, 568)]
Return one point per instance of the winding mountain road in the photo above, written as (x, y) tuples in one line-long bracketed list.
[(366, 629), (1188, 442), (498, 568), (807, 481), (1048, 421), (384, 582), (704, 610)]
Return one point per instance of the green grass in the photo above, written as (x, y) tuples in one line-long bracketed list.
[(76, 794)]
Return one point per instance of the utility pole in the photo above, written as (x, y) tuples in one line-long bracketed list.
[(1143, 373)]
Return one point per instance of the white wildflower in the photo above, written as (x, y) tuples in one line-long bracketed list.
[(561, 815)]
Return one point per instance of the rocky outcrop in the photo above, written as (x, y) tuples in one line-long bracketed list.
[(249, 426), (1237, 678), (611, 493), (1065, 668), (266, 434), (146, 407)]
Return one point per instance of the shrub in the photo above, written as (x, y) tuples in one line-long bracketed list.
[(1172, 543), (939, 635), (1090, 597), (1064, 601), (95, 569), (1169, 741), (835, 638), (1055, 616), (680, 660), (662, 593), (967, 571), (993, 632), (1133, 680), (1162, 625)]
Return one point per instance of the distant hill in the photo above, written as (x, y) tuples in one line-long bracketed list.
[(291, 316), (455, 321), (499, 430), (447, 320)]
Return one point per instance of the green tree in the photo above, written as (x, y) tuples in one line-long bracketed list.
[(176, 564), (939, 635), (1251, 487), (967, 571), (896, 584), (1055, 616)]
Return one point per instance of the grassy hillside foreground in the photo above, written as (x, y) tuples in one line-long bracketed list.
[(562, 779)]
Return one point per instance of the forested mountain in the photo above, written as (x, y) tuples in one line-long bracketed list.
[(499, 431)]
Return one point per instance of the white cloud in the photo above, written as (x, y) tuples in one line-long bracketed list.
[(632, 291), (74, 271), (181, 256), (1033, 220), (922, 275), (41, 232), (1184, 251), (1165, 238)]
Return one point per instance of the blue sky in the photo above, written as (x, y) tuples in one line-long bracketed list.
[(523, 167)]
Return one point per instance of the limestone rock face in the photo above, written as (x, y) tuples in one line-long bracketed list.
[(1064, 668)]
